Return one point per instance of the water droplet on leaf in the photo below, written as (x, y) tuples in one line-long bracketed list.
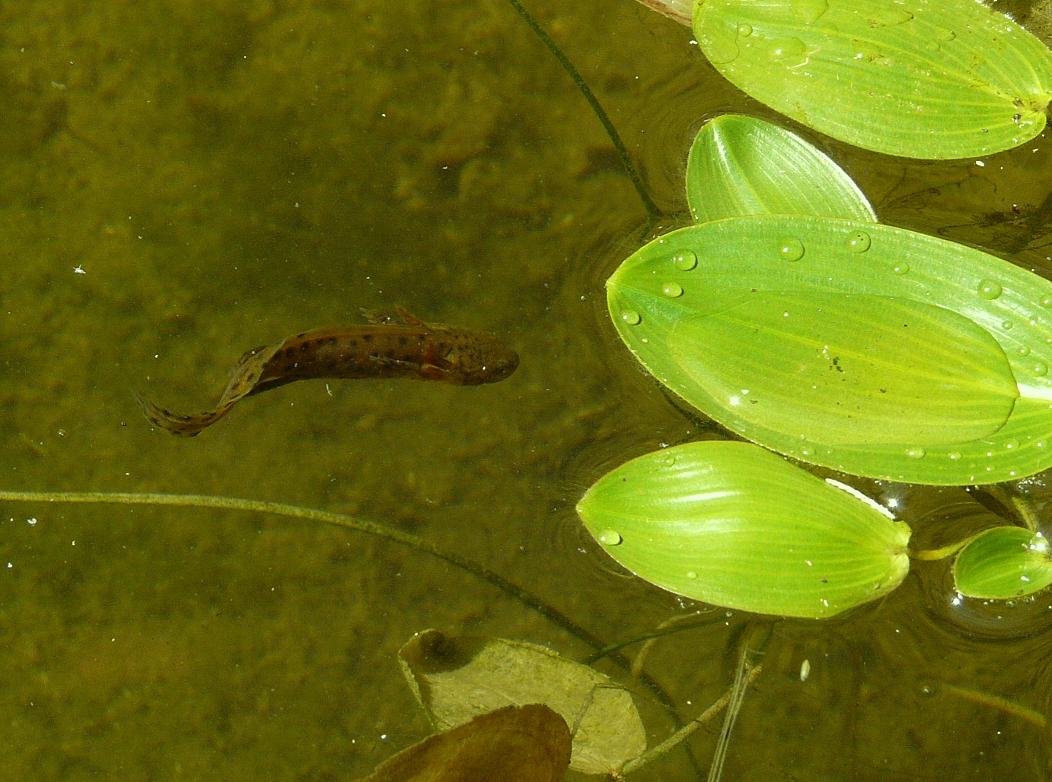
[(989, 289), (791, 249), (610, 537), (685, 260), (858, 241), (790, 52), (672, 289), (810, 11), (631, 317)]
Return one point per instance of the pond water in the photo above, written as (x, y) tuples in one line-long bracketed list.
[(182, 182)]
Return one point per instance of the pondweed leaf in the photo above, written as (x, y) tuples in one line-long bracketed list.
[(737, 526), (741, 165), (1003, 563), (917, 78), (849, 344)]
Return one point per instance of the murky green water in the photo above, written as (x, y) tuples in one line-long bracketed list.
[(180, 183)]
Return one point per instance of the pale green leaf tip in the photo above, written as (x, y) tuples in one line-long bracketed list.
[(1003, 563)]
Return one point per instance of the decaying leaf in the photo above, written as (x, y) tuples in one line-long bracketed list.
[(455, 679), (514, 744)]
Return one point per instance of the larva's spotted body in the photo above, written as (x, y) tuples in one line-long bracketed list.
[(412, 349)]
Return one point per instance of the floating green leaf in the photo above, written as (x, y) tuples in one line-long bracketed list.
[(916, 78), (1003, 563), (737, 526), (854, 345), (741, 166), (456, 679)]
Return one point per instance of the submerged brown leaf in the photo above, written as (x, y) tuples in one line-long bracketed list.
[(457, 678), (514, 744)]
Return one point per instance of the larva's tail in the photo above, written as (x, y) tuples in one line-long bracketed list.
[(182, 425)]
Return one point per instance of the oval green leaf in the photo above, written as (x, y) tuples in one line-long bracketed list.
[(1003, 563), (853, 345), (945, 79), (737, 526), (741, 166)]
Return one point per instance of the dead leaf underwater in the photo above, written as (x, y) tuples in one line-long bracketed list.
[(514, 744), (456, 678)]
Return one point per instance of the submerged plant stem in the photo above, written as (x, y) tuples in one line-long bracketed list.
[(653, 213), (1032, 716), (310, 514), (930, 555), (736, 690), (528, 599)]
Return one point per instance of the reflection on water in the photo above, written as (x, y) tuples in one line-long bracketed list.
[(181, 182)]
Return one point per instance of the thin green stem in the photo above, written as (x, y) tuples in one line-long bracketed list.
[(653, 213), (735, 690), (312, 514), (347, 522), (1032, 716), (930, 555)]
